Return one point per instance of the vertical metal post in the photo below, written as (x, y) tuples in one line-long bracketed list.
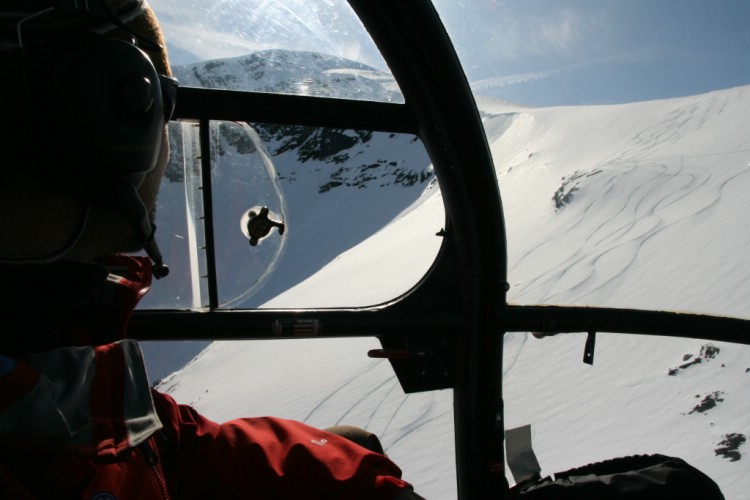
[(208, 211)]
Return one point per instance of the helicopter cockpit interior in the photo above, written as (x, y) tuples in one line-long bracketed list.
[(449, 220)]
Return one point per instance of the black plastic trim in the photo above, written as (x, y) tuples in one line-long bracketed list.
[(567, 319), (416, 47), (235, 105)]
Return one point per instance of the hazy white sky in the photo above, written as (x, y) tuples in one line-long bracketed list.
[(540, 52)]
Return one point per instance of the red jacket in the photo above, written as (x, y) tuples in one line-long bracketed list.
[(81, 422)]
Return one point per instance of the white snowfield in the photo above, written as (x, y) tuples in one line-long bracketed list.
[(641, 205)]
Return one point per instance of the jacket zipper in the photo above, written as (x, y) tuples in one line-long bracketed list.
[(152, 460)]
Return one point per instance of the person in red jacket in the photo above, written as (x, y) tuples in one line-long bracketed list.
[(77, 416)]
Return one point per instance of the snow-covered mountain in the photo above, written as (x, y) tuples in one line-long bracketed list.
[(293, 72), (634, 205)]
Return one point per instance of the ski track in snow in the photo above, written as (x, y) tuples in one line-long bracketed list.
[(393, 386), (339, 389), (369, 405)]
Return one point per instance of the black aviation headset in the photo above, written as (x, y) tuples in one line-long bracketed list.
[(93, 110)]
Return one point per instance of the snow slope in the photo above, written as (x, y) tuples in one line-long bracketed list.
[(637, 205)]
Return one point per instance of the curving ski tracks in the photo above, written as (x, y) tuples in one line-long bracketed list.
[(382, 403), (661, 195)]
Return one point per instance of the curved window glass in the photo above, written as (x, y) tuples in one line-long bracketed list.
[(294, 216), (302, 47), (618, 131), (678, 397)]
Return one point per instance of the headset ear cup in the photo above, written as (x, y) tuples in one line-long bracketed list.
[(96, 125), (97, 111)]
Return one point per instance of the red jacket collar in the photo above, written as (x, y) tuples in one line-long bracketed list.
[(104, 316), (69, 303)]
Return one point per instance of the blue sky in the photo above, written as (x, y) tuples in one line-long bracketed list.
[(535, 52), (548, 52)]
